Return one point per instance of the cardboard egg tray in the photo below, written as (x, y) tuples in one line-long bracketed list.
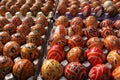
[(8, 11), (40, 48), (66, 48)]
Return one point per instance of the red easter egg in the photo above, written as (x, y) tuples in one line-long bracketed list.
[(56, 52), (77, 21), (75, 30), (29, 21), (34, 37), (95, 56), (4, 37), (76, 40), (62, 20), (57, 39), (91, 32), (11, 49), (60, 29), (111, 42), (75, 54), (100, 72), (23, 69), (10, 28), (86, 10), (99, 11), (95, 42), (75, 71), (42, 20), (16, 21), (23, 29), (106, 22), (106, 31), (38, 28), (117, 24)]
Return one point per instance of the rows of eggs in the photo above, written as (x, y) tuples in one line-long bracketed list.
[(24, 6), (69, 40), (21, 39), (112, 7)]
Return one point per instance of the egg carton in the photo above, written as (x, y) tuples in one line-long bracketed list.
[(29, 7), (40, 48), (66, 49)]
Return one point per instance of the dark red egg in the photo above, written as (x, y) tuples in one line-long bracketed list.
[(11, 49), (86, 10), (95, 56), (75, 71), (56, 52), (76, 40), (100, 72)]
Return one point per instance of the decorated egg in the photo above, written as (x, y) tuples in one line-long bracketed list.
[(34, 37), (62, 20), (91, 21), (75, 71), (106, 31), (6, 65), (3, 22), (24, 9), (117, 24), (77, 21), (57, 39), (36, 8), (16, 21), (84, 4), (51, 69), (10, 3), (95, 4), (75, 54), (76, 40), (23, 69), (13, 9), (62, 9), (42, 20), (1, 47), (60, 29), (118, 33), (95, 56), (107, 3), (100, 72), (56, 52), (112, 11), (75, 30), (23, 29), (11, 49), (99, 11), (86, 10), (3, 10), (74, 2), (95, 42), (10, 28), (19, 38), (111, 42), (29, 51), (115, 1), (74, 9), (106, 22), (38, 28), (116, 73), (4, 37), (29, 21), (117, 5), (91, 32), (113, 58), (45, 10)]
